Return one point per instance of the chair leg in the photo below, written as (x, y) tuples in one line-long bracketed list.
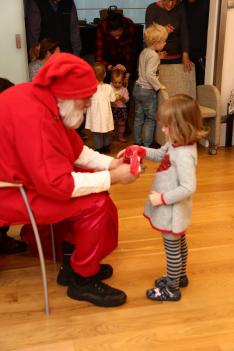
[(53, 243), (40, 251)]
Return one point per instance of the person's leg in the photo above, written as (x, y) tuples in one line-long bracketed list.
[(106, 143), (65, 274), (139, 114), (121, 130), (10, 245), (169, 292), (95, 230), (97, 141), (150, 107), (183, 281), (184, 256)]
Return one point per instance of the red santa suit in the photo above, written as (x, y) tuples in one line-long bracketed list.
[(40, 152)]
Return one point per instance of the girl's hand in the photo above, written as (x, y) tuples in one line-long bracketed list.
[(121, 153), (155, 198)]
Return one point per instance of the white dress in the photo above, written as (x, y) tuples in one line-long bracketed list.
[(99, 116)]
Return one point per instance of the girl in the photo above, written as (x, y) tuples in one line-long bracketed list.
[(40, 53), (169, 205), (99, 118), (119, 108)]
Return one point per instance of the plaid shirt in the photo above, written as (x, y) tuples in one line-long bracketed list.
[(111, 51)]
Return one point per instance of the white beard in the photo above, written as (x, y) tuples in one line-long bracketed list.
[(72, 116)]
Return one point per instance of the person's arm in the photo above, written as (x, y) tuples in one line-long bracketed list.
[(130, 47), (149, 15), (33, 22), (184, 39), (87, 183), (156, 155), (185, 165), (75, 32), (151, 72), (93, 160), (100, 42), (125, 96)]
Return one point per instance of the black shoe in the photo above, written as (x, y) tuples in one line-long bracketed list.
[(106, 149), (163, 294), (155, 145), (83, 135), (10, 246), (165, 281), (65, 274), (96, 292)]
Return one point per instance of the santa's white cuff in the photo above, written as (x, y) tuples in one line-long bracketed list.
[(93, 159), (88, 183)]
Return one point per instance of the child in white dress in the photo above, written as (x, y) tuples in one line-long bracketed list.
[(99, 118)]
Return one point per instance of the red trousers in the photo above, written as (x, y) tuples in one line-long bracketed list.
[(90, 222)]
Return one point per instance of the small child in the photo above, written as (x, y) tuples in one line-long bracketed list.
[(119, 108), (147, 86), (40, 53), (99, 118), (170, 202)]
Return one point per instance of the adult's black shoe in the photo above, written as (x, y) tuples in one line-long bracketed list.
[(96, 292), (10, 246), (66, 273)]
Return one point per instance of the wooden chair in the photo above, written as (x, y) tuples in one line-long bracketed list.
[(177, 81), (3, 185)]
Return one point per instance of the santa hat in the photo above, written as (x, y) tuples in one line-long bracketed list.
[(67, 76)]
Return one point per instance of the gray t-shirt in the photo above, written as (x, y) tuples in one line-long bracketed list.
[(148, 69)]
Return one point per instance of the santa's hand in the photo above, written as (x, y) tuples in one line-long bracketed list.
[(155, 198), (120, 153), (116, 162), (122, 175)]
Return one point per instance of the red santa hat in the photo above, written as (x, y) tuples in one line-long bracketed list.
[(67, 76)]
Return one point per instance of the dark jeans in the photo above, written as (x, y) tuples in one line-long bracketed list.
[(145, 114)]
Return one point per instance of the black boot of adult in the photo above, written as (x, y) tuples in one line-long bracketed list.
[(10, 246), (66, 273), (93, 290)]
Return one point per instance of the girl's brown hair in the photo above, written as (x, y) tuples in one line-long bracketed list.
[(39, 50), (99, 70), (182, 115)]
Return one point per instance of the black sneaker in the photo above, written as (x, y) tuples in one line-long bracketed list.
[(165, 281), (96, 292), (65, 274), (163, 294), (10, 246)]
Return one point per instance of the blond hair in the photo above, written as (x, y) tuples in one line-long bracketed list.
[(181, 114), (99, 70), (155, 33)]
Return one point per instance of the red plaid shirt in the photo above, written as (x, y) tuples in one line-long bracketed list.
[(111, 51)]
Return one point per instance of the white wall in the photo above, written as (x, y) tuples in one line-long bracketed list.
[(227, 83), (13, 61), (211, 41), (134, 9)]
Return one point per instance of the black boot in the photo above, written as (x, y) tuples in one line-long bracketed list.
[(10, 245), (92, 290), (66, 273)]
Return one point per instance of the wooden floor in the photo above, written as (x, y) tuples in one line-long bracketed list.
[(202, 321)]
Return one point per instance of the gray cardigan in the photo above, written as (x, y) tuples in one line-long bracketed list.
[(176, 180)]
